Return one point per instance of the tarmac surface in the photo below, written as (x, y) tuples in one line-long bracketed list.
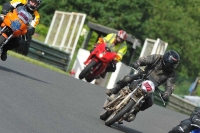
[(37, 100)]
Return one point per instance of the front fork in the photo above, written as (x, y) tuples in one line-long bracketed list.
[(7, 38), (137, 105)]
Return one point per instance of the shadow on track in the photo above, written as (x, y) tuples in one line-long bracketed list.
[(124, 128), (18, 73)]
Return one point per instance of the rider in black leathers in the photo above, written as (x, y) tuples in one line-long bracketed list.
[(190, 124), (159, 68)]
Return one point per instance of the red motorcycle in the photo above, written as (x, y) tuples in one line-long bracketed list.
[(97, 62)]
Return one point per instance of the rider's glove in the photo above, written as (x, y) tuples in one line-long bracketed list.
[(135, 65), (165, 96), (100, 40), (31, 30), (117, 58)]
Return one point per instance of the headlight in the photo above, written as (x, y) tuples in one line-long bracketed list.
[(100, 55)]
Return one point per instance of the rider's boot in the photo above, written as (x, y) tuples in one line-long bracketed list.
[(119, 85), (103, 75)]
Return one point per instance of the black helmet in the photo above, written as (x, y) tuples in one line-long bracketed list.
[(32, 5), (171, 59)]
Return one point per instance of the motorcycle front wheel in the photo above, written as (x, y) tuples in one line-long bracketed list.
[(87, 69), (114, 117), (89, 79), (105, 114), (2, 39)]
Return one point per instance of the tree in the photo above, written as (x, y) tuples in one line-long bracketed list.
[(170, 21), (174, 21)]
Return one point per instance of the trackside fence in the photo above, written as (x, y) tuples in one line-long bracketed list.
[(176, 103), (181, 105), (49, 55)]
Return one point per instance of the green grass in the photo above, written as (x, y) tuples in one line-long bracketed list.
[(36, 62), (39, 37)]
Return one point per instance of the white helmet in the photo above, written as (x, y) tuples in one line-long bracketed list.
[(122, 34)]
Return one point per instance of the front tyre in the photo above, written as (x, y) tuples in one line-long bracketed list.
[(87, 69), (104, 115), (115, 117), (2, 39), (89, 79)]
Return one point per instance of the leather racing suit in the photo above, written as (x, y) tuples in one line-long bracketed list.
[(155, 71), (17, 42)]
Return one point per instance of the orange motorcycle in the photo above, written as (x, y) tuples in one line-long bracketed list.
[(15, 24)]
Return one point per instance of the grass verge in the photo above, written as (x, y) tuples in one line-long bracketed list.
[(36, 62)]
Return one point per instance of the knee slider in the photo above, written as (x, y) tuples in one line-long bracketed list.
[(185, 129), (177, 129)]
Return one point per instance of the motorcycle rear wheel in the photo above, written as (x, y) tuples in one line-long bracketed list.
[(115, 117), (87, 69)]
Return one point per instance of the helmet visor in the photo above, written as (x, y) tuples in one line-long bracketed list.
[(170, 62), (170, 65), (120, 39), (33, 4)]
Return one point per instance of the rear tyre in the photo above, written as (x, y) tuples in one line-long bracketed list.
[(115, 117), (24, 47), (87, 69)]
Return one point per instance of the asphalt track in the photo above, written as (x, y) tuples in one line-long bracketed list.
[(37, 100)]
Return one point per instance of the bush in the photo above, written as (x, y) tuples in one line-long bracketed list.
[(41, 29), (182, 85)]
